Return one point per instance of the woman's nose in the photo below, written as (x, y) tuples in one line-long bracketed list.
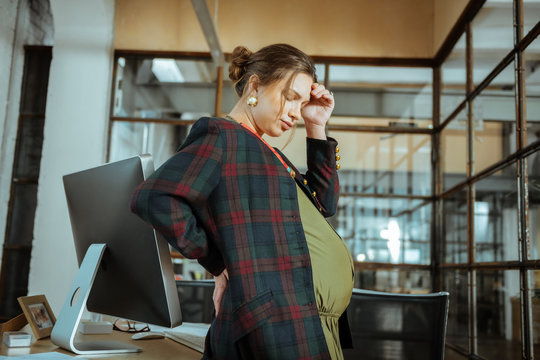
[(295, 112)]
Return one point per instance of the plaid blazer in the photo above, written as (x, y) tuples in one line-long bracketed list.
[(226, 200)]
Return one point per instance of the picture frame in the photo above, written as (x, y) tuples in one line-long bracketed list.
[(39, 314)]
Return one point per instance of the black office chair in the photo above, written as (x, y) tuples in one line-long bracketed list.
[(196, 300), (388, 326)]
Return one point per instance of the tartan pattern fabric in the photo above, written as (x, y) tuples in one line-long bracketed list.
[(225, 199)]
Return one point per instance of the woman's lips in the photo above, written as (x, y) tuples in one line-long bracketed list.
[(287, 124)]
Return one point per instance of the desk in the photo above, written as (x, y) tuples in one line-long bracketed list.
[(163, 349)]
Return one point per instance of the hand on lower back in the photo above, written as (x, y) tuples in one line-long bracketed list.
[(221, 283)]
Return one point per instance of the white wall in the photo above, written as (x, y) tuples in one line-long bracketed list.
[(75, 134), (9, 69)]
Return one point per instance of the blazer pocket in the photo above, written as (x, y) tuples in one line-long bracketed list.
[(252, 314)]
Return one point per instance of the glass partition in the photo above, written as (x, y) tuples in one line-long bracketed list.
[(455, 228), (164, 88), (457, 330), (533, 162), (394, 280), (492, 36), (534, 295), (454, 151), (497, 296), (133, 138), (228, 96), (453, 79), (496, 217), (495, 120), (385, 229), (320, 70), (532, 88), (382, 96), (531, 14), (378, 163)]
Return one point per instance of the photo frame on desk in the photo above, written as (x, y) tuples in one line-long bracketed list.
[(39, 314)]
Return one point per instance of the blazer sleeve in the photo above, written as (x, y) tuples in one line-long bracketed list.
[(322, 173), (175, 198)]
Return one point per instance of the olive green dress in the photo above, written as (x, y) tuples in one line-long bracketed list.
[(333, 270)]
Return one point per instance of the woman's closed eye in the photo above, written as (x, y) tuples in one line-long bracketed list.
[(294, 96)]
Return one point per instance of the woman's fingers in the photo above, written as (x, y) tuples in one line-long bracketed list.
[(219, 289), (319, 91), (322, 95)]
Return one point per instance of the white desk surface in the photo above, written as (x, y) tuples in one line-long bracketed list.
[(163, 349)]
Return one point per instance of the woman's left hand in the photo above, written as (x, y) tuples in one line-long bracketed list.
[(317, 112)]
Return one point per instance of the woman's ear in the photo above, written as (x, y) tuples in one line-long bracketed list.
[(253, 85)]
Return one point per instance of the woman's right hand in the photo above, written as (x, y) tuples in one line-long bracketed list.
[(219, 289)]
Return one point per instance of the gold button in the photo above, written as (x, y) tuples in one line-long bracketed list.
[(338, 166), (337, 149), (305, 182), (338, 157), (293, 174), (314, 194)]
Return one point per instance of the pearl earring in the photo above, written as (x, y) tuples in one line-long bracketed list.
[(252, 101)]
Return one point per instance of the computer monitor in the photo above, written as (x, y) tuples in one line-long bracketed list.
[(125, 269)]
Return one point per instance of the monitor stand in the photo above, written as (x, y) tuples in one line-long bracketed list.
[(66, 326)]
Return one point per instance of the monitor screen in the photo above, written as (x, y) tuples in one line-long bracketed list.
[(135, 279)]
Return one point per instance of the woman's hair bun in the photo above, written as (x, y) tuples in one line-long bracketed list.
[(239, 61)]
